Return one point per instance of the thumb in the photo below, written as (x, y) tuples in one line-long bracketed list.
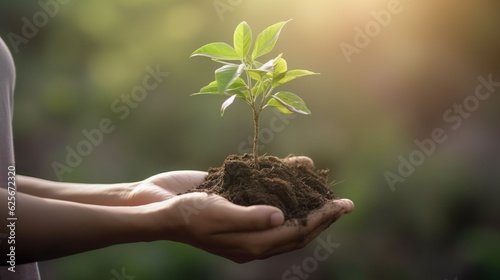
[(250, 218)]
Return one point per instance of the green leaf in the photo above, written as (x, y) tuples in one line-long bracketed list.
[(217, 51), (238, 84), (280, 66), (262, 70), (226, 104), (269, 66), (208, 93), (280, 69), (290, 76), (210, 89), (213, 88), (242, 39), (227, 75), (267, 39), (256, 64), (291, 102), (243, 94), (256, 74), (278, 106)]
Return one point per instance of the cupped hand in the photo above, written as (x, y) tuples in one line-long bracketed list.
[(241, 234)]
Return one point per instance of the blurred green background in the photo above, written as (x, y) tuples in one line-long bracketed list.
[(440, 223)]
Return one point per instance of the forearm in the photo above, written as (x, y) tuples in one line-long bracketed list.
[(98, 194), (48, 228)]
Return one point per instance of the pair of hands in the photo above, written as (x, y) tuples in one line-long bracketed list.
[(212, 223)]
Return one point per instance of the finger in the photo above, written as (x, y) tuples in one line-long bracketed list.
[(332, 211), (329, 213), (293, 237), (343, 205), (299, 160), (244, 246), (236, 218)]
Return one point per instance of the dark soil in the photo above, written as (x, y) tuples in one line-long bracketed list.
[(296, 190)]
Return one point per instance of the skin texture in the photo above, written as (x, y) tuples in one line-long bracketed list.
[(52, 216)]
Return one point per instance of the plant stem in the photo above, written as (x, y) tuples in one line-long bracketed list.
[(256, 112), (256, 137)]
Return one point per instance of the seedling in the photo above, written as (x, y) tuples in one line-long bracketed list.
[(243, 76)]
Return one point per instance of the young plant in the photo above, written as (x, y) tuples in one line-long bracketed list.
[(243, 77)]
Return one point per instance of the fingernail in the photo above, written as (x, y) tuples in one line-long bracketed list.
[(349, 204), (277, 219)]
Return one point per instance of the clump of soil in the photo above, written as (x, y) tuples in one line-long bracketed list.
[(296, 190)]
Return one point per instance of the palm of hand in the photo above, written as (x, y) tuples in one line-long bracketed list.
[(164, 186)]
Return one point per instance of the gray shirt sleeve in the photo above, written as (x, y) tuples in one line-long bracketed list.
[(7, 82)]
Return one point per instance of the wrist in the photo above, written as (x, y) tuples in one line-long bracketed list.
[(155, 221), (125, 193)]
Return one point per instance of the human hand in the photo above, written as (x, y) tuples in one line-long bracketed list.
[(238, 233), (164, 186), (241, 234)]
